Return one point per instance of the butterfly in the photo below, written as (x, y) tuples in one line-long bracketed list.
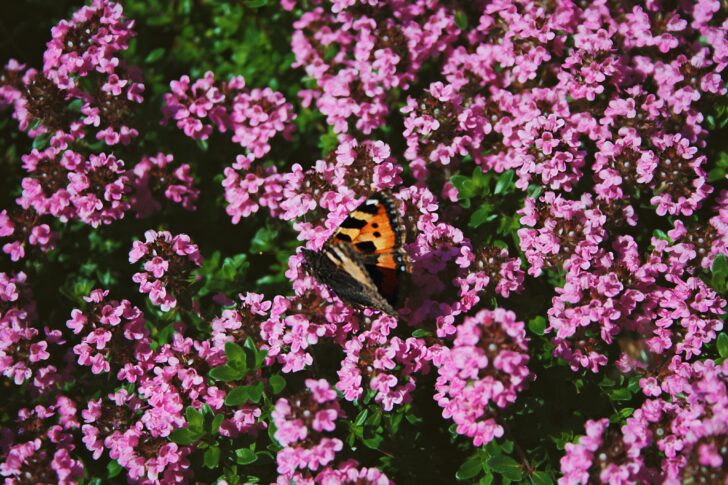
[(363, 261)]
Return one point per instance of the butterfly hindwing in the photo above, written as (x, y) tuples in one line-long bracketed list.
[(340, 268), (362, 262)]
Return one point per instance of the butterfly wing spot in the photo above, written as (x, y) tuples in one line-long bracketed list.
[(353, 223), (366, 246)]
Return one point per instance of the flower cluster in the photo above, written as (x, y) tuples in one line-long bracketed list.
[(168, 264), (485, 369), (358, 56), (303, 422), (617, 294), (67, 185), (678, 434), (253, 116), (40, 447), (156, 177), (108, 328), (24, 351), (80, 64), (24, 228), (597, 212)]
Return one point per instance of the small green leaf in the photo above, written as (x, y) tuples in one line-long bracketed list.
[(184, 436), (155, 55), (216, 422), (620, 395), (503, 185), (195, 419), (487, 478), (421, 332), (719, 269), (243, 394), (226, 373), (483, 214), (537, 325), (277, 383), (470, 469), (506, 466), (722, 345), (235, 356), (203, 145), (212, 457), (40, 142), (113, 469), (374, 442), (245, 456), (461, 20), (541, 478), (361, 417)]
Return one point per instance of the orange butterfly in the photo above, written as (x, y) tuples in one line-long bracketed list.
[(363, 260)]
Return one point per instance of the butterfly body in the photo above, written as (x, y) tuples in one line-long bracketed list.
[(363, 261)]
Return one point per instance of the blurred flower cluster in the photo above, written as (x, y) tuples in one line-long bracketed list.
[(591, 239)]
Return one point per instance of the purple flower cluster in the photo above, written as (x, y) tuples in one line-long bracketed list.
[(678, 434), (108, 327), (24, 351), (484, 370), (596, 111), (302, 423), (253, 116), (168, 263), (39, 449), (157, 177)]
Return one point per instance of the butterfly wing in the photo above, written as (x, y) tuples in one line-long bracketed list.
[(363, 260), (340, 268), (376, 232)]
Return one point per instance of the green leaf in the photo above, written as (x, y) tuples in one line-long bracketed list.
[(374, 442), (226, 373), (719, 269), (195, 419), (245, 456), (361, 417), (257, 354), (505, 182), (461, 20), (235, 356), (203, 145), (470, 469), (506, 466), (541, 478), (722, 345), (216, 422), (155, 55), (113, 469), (277, 383), (537, 325), (212, 457), (184, 436), (263, 241), (620, 395), (421, 332), (243, 394), (487, 478), (40, 142), (483, 214)]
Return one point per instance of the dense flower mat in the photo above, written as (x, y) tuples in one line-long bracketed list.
[(560, 171)]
